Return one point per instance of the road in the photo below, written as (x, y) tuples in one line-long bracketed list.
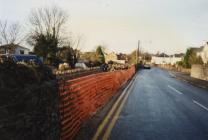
[(159, 107)]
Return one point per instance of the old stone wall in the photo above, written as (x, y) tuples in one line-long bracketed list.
[(200, 72), (174, 68)]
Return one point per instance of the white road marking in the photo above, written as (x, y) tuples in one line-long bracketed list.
[(171, 74), (202, 106), (175, 89)]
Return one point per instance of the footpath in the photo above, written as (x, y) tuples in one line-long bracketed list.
[(187, 78)]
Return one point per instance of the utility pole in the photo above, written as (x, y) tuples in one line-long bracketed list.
[(137, 52)]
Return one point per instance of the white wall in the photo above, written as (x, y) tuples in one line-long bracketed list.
[(17, 50), (200, 72), (204, 54), (165, 60)]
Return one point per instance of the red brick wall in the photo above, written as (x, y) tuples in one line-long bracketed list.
[(81, 97)]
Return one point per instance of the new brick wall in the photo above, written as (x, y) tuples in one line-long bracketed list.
[(80, 98)]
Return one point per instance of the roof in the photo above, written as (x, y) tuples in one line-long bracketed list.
[(165, 55), (162, 55), (122, 56), (197, 49), (10, 46), (179, 55)]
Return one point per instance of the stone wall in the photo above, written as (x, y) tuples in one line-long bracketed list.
[(200, 72), (28, 103), (174, 68)]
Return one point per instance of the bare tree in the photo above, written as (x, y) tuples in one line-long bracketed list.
[(48, 20), (77, 42), (46, 32), (72, 48), (10, 33)]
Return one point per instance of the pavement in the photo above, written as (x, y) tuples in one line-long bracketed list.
[(187, 78), (156, 106)]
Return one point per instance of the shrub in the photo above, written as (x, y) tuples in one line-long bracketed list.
[(28, 103)]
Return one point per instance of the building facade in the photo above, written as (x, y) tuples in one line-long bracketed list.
[(117, 58), (165, 59), (203, 53), (13, 49)]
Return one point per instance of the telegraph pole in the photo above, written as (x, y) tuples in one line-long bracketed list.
[(137, 52)]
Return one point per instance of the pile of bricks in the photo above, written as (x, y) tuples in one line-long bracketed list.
[(80, 98)]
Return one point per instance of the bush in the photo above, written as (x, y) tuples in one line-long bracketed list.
[(28, 103)]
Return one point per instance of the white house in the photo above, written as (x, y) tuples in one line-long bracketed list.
[(13, 49), (22, 50), (202, 52), (165, 59), (112, 56)]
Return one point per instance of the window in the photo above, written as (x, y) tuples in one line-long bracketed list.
[(22, 52)]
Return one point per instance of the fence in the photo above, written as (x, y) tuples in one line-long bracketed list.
[(80, 98)]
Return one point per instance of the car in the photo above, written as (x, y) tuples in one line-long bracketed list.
[(146, 66), (21, 58), (26, 58)]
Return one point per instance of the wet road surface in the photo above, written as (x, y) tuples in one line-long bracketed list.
[(159, 107)]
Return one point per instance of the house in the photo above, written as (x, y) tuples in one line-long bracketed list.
[(166, 59), (202, 52), (122, 56), (116, 58), (13, 49), (112, 56)]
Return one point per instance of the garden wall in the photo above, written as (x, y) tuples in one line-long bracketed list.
[(200, 72), (178, 68)]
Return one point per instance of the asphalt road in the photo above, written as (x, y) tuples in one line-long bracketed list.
[(159, 107)]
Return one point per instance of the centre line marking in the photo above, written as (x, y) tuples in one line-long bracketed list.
[(202, 106), (175, 89)]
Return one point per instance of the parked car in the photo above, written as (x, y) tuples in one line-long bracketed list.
[(22, 58), (104, 67), (146, 66), (26, 58)]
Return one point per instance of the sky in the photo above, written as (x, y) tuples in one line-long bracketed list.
[(169, 26)]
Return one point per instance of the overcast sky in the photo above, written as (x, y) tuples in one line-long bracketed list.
[(161, 25)]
